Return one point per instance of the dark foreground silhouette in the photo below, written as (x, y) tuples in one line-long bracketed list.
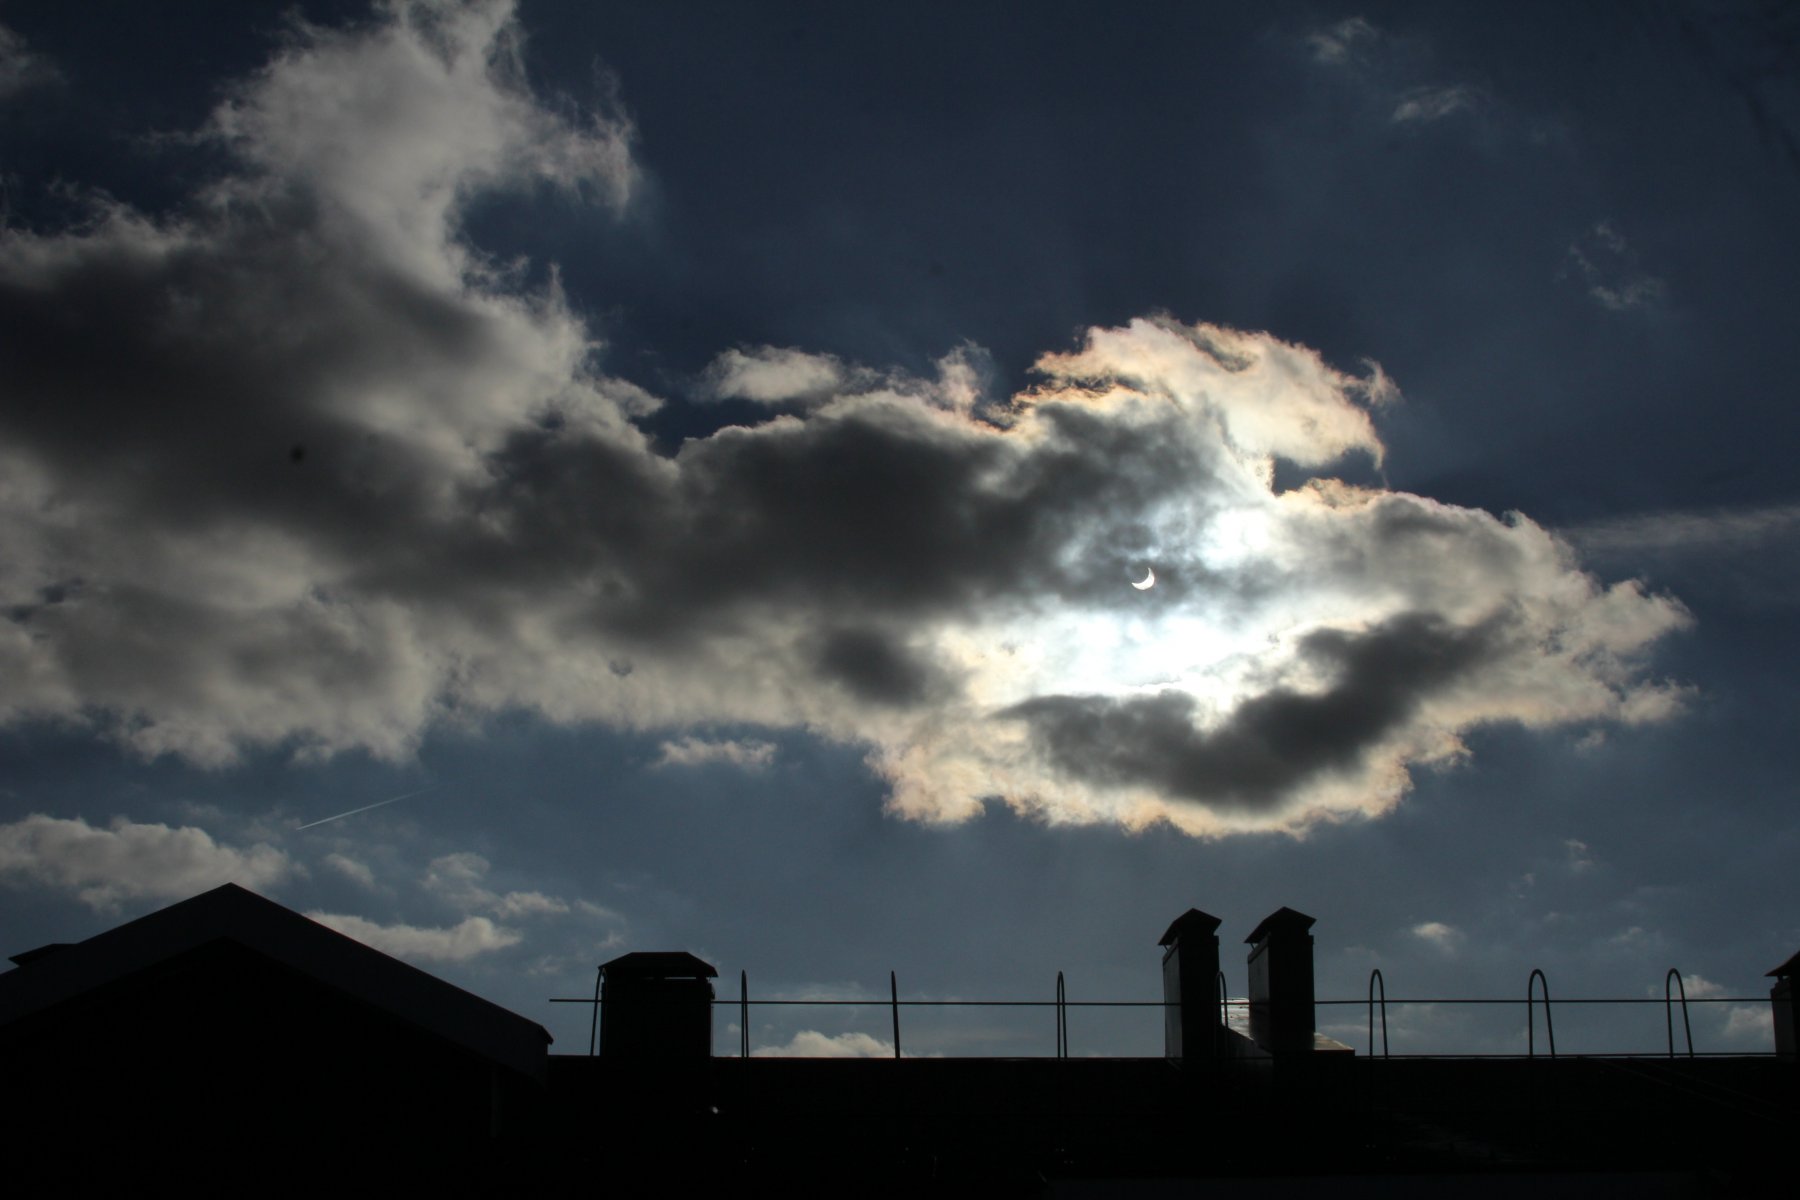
[(228, 1044)]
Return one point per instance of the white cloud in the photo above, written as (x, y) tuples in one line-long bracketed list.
[(1393, 69), (695, 751), (1340, 43), (1752, 1025), (810, 1043), (1581, 857), (128, 861), (1718, 531), (1602, 260), (351, 869), (1378, 387), (390, 126), (771, 375), (458, 879), (777, 375), (320, 475), (1445, 938), (457, 943), (1637, 291), (1590, 741), (529, 904), (1426, 104)]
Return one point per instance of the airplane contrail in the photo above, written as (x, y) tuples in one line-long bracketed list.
[(367, 807)]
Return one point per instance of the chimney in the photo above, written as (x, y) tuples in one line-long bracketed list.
[(1191, 1029), (1281, 983), (1781, 1000), (656, 1004)]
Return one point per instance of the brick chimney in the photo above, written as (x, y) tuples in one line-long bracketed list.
[(656, 1004), (1281, 983), (1191, 1028), (1781, 1000)]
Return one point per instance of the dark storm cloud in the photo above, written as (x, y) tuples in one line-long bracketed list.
[(329, 476), (1257, 757), (875, 668)]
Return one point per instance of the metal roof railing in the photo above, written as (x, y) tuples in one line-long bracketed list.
[(1376, 1004)]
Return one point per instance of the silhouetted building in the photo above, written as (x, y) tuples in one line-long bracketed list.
[(229, 1043), (227, 1027)]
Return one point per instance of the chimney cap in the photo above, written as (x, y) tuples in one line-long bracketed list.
[(659, 964), (1790, 967), (1193, 921), (1282, 920)]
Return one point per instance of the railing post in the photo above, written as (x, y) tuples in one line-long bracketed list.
[(1375, 980), (894, 999), (1062, 1018), (594, 1025), (1537, 977), (1674, 977)]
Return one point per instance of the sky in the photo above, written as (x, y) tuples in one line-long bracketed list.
[(527, 482)]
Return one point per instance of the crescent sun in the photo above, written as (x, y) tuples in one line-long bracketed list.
[(1148, 582)]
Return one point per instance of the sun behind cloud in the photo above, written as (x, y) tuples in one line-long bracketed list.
[(299, 466)]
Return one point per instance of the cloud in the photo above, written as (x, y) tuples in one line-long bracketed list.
[(1709, 531), (1427, 104), (1601, 259), (351, 869), (1753, 1025), (1445, 938), (1635, 938), (1696, 986), (777, 375), (529, 904), (1581, 856), (458, 879), (21, 67), (694, 751), (810, 1043), (129, 861), (771, 375), (1340, 43), (1270, 744), (594, 911), (310, 348), (300, 467), (458, 943), (1389, 67)]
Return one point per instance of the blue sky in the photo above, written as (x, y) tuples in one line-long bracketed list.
[(699, 457)]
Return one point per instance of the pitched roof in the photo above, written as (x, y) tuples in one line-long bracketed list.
[(231, 913)]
